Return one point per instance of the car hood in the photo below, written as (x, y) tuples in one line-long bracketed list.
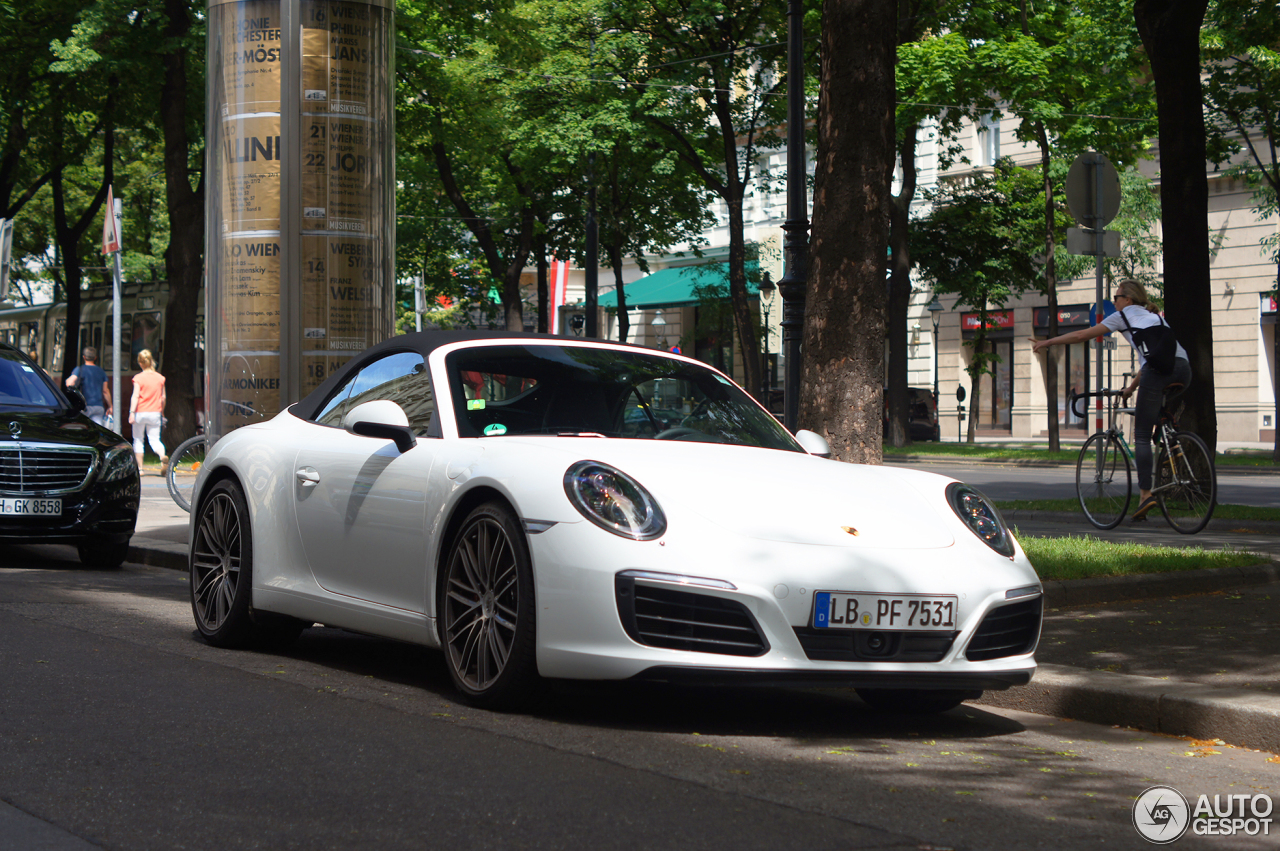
[(781, 496), (50, 426)]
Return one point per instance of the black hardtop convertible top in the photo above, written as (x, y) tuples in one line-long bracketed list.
[(424, 343)]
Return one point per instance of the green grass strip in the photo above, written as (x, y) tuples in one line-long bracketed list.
[(1084, 557)]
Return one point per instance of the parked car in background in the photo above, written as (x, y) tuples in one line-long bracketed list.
[(922, 414), (63, 478), (547, 507)]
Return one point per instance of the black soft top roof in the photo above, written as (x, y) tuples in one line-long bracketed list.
[(424, 343)]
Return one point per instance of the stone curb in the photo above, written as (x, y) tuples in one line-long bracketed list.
[(155, 552), (1238, 716)]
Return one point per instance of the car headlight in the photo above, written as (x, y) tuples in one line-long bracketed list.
[(614, 501), (981, 516), (119, 463)]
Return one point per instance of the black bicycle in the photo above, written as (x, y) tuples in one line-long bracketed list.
[(1184, 481)]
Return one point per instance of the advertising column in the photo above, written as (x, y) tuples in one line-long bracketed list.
[(300, 239)]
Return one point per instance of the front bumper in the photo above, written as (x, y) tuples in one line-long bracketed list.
[(103, 511), (740, 610)]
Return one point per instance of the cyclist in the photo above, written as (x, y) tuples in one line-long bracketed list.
[(1132, 303)]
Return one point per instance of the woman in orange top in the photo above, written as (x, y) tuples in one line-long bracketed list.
[(146, 410)]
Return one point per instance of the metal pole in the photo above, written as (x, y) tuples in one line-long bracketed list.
[(1098, 224), (796, 245), (592, 235), (116, 286)]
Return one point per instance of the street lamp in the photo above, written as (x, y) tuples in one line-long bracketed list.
[(767, 294), (935, 313), (659, 328)]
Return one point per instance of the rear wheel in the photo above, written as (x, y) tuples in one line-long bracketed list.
[(102, 555), (915, 701), (1186, 483), (184, 464), (487, 611), (221, 560), (1104, 491)]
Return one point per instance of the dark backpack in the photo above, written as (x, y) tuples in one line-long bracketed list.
[(1158, 344)]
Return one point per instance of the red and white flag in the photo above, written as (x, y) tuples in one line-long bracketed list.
[(559, 283), (110, 235)]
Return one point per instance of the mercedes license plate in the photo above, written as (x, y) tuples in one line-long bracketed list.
[(20, 505), (856, 610)]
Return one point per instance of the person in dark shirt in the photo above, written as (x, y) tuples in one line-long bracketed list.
[(92, 381)]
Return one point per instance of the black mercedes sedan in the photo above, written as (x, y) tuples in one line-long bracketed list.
[(63, 478)]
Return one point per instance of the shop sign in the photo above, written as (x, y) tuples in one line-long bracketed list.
[(1074, 315), (995, 319)]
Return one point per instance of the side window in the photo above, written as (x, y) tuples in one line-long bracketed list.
[(400, 377)]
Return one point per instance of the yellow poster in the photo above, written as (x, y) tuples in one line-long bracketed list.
[(251, 173), (341, 298), (340, 56), (250, 42), (251, 293)]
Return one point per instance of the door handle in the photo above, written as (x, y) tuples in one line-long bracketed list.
[(308, 477)]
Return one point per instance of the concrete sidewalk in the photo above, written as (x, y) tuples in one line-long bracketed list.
[(1192, 654)]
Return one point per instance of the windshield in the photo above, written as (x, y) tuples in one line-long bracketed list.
[(22, 386), (571, 390)]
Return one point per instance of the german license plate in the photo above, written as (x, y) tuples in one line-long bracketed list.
[(20, 505), (856, 610)]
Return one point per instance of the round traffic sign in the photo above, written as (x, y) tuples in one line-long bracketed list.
[(1090, 193)]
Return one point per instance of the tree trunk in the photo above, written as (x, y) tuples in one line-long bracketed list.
[(184, 261), (614, 250), (899, 431), (1050, 288), (843, 371), (1170, 31)]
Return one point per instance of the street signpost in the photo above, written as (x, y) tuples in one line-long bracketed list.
[(1093, 195)]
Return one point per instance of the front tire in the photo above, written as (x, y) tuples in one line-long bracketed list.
[(1104, 493), (487, 611), (221, 561), (102, 555)]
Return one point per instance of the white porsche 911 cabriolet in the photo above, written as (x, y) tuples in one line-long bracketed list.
[(542, 507)]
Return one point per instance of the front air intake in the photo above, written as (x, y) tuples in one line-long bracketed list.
[(685, 620), (1007, 631)]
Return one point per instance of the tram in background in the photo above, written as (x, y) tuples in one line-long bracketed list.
[(40, 330)]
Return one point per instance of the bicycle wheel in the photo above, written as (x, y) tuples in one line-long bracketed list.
[(1104, 492), (184, 464), (1186, 483)]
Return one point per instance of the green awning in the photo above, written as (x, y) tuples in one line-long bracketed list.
[(674, 287)]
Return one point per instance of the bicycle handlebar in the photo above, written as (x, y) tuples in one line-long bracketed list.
[(1076, 397)]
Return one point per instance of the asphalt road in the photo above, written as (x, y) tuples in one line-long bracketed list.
[(1008, 482), (120, 729)]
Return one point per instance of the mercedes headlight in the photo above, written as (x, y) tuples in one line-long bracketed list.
[(119, 463), (981, 517), (614, 501)]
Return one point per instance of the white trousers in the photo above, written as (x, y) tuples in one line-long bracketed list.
[(147, 424)]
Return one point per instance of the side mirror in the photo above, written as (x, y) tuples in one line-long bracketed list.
[(813, 443), (76, 398), (383, 419)]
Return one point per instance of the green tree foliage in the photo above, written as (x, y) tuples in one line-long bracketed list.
[(982, 242), (709, 77)]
